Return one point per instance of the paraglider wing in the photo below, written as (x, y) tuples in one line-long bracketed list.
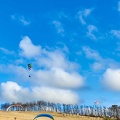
[(29, 66), (44, 115), (97, 103)]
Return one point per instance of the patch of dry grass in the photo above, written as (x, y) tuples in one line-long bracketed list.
[(25, 115)]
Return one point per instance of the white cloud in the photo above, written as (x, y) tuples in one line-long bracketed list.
[(28, 49), (52, 71), (21, 19), (56, 82), (58, 70), (111, 79), (87, 12), (118, 6), (98, 66), (58, 78), (55, 77), (98, 62), (56, 58), (91, 31), (19, 71), (91, 54), (11, 91), (56, 95), (82, 20), (24, 21), (116, 33), (59, 27), (7, 51), (83, 14)]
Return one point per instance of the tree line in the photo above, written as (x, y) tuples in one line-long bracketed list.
[(66, 109)]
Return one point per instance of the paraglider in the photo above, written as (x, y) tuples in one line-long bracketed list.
[(44, 115), (97, 102), (29, 68)]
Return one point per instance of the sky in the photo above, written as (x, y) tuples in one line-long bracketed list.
[(72, 45)]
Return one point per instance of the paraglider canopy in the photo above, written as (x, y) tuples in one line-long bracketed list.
[(97, 102), (29, 66), (44, 115)]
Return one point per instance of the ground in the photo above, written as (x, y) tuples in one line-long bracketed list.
[(24, 115)]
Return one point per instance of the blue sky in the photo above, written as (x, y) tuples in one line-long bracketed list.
[(73, 46)]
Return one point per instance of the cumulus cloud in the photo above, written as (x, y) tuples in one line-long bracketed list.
[(111, 79), (91, 31), (83, 14), (11, 91), (59, 78), (56, 58), (57, 95), (28, 48), (57, 70), (52, 74)]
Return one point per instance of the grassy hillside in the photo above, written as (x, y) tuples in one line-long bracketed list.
[(22, 115)]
